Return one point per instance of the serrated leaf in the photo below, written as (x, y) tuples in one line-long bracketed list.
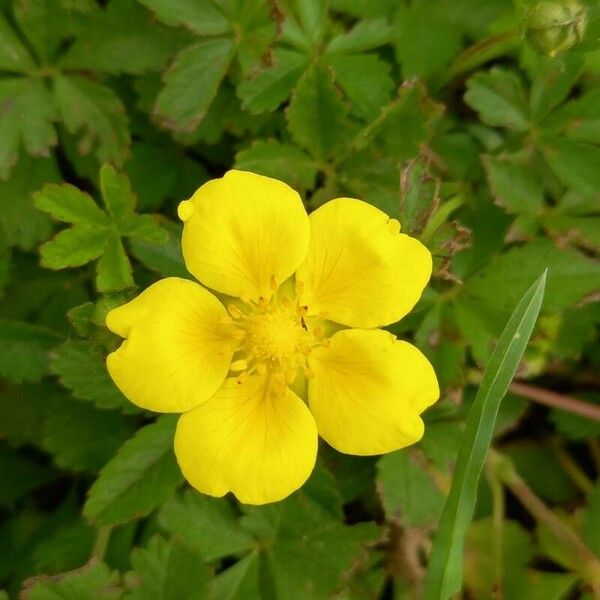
[(307, 550), (94, 113), (575, 164), (240, 581), (444, 572), (408, 493), (267, 90), (191, 84), (26, 120), (24, 350), (20, 223), (279, 160), (67, 203), (80, 437), (13, 54), (365, 79), (316, 115), (491, 291), (74, 247), (365, 35), (113, 268), (121, 38), (82, 370), (164, 258), (208, 525), (426, 39), (142, 475), (201, 16), (94, 581), (117, 195), (513, 185), (499, 98), (169, 571)]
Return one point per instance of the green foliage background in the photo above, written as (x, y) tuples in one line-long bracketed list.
[(436, 111)]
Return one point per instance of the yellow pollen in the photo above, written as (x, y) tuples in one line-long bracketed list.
[(274, 336)]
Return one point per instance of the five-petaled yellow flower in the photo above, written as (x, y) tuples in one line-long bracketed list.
[(290, 349)]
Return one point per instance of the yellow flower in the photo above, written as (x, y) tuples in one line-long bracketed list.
[(260, 375)]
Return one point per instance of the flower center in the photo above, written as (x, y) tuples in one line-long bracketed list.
[(275, 337)]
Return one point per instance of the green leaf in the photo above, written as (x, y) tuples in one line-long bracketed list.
[(192, 82), (491, 291), (408, 493), (306, 548), (316, 115), (80, 437), (13, 54), (552, 85), (114, 268), (66, 548), (169, 571), (201, 16), (121, 38), (267, 90), (26, 120), (24, 350), (444, 573), (20, 223), (74, 247), (499, 98), (94, 581), (579, 118), (164, 258), (514, 185), (117, 195), (241, 581), (575, 164), (141, 476), (426, 39), (81, 369), (94, 113), (365, 79), (365, 35), (67, 203), (279, 160), (208, 525)]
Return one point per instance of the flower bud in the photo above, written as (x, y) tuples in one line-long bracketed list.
[(553, 26)]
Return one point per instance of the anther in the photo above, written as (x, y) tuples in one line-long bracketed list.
[(273, 283), (234, 311), (238, 365), (242, 378), (302, 310), (287, 303)]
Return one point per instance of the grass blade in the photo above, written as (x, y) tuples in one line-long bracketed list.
[(444, 574)]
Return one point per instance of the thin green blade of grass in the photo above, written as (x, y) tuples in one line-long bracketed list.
[(444, 573)]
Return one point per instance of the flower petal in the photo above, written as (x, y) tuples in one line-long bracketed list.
[(242, 231), (359, 270), (368, 390), (178, 348), (259, 445)]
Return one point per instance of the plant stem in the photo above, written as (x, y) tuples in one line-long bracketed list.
[(101, 542), (556, 400), (498, 513), (572, 469)]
